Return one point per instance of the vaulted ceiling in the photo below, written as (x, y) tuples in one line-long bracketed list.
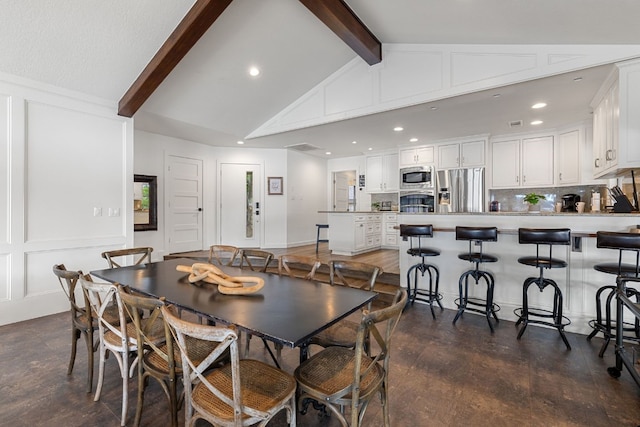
[(100, 48)]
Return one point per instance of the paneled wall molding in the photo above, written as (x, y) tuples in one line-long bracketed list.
[(412, 74), (62, 155)]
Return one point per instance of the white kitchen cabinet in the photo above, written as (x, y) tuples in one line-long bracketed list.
[(354, 233), (390, 233), (568, 157), (461, 155), (382, 173), (417, 156), (522, 163)]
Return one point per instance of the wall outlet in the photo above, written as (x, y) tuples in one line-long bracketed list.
[(97, 211)]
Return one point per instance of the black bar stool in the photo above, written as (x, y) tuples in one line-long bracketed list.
[(545, 237), (605, 295), (318, 239), (476, 236), (415, 234)]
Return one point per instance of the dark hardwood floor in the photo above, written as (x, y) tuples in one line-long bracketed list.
[(441, 375)]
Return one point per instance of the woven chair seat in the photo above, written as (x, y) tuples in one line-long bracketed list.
[(156, 334), (263, 387), (331, 371), (341, 334)]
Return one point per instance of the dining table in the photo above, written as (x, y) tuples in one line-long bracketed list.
[(287, 310)]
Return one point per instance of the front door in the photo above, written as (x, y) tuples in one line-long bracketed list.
[(240, 205), (183, 204)]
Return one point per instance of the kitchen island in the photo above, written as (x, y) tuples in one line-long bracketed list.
[(356, 232), (578, 282)]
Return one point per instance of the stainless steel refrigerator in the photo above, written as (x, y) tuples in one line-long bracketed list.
[(460, 190)]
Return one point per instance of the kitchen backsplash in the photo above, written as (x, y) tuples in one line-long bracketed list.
[(511, 200)]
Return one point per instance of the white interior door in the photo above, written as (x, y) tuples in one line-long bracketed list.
[(183, 204), (341, 191), (240, 205)]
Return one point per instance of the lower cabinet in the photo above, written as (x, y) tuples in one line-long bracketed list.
[(390, 234), (354, 233)]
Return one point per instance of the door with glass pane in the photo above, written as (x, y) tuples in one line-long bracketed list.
[(240, 205)]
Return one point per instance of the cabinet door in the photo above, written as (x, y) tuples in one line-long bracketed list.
[(425, 155), (448, 156), (599, 139), (505, 161), (359, 235), (391, 175), (374, 174), (537, 161), (569, 158), (408, 157), (472, 154)]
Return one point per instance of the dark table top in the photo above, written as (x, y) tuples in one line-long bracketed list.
[(286, 310)]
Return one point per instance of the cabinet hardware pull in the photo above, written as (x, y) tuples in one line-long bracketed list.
[(596, 163), (560, 177)]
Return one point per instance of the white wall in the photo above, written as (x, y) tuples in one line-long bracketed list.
[(306, 192), (62, 155), (285, 222)]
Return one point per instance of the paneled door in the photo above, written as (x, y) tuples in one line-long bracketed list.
[(240, 205), (183, 204)]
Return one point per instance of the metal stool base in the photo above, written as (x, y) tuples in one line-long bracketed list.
[(429, 296), (489, 308)]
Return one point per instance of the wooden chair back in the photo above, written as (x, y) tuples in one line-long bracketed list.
[(255, 259), (140, 256), (223, 255), (68, 282), (298, 266), (354, 274)]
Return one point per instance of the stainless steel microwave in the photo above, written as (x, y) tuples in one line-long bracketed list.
[(417, 178)]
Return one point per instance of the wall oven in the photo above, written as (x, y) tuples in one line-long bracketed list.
[(417, 201), (417, 178)]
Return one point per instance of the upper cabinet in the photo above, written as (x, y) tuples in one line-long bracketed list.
[(382, 173), (461, 155), (522, 163), (616, 122), (417, 156), (568, 158)]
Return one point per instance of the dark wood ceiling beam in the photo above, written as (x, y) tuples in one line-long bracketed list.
[(195, 23), (341, 20)]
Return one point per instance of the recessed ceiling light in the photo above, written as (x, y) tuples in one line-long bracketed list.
[(539, 105), (413, 140), (240, 142), (398, 128), (536, 122), (328, 153), (254, 71), (354, 142), (370, 148)]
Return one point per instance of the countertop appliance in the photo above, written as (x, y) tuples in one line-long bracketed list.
[(461, 190), (385, 206), (419, 201), (569, 202), (417, 178)]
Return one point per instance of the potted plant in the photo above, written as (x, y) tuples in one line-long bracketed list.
[(375, 206), (532, 199)]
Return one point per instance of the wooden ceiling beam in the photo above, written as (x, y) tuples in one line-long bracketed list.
[(195, 23), (339, 17)]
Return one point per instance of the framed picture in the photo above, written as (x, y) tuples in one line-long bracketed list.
[(275, 185)]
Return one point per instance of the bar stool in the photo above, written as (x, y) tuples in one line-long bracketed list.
[(476, 236), (318, 239), (415, 234), (543, 237), (605, 295)]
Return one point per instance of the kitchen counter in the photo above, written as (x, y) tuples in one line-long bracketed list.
[(579, 281)]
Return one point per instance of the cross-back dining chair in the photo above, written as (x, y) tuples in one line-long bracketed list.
[(299, 266), (119, 339), (223, 255), (81, 320), (255, 259), (115, 258), (356, 275), (340, 378), (241, 393)]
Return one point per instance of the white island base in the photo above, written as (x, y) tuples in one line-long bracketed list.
[(578, 282)]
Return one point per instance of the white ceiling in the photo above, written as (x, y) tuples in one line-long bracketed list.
[(99, 48)]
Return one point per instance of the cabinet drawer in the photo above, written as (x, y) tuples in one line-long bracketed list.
[(360, 218), (370, 228), (377, 240), (390, 217), (377, 227), (389, 227), (390, 239), (373, 217)]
